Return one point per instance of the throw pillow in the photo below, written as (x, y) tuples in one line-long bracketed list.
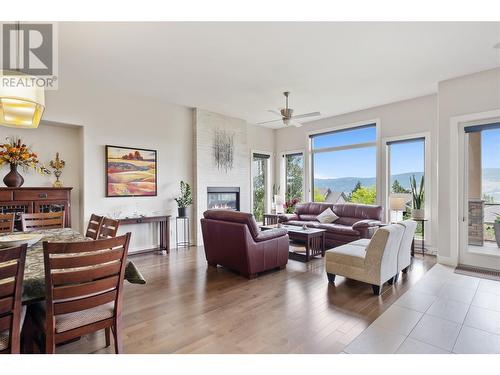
[(327, 216)]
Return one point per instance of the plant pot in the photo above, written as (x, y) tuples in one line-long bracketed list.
[(181, 211), (418, 213), (13, 178), (497, 233)]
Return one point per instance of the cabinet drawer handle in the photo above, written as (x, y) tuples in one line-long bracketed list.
[(42, 195)]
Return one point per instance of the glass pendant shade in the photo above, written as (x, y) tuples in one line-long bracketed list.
[(21, 106)]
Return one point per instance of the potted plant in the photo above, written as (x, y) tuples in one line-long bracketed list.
[(496, 225), (17, 154), (417, 212), (185, 199)]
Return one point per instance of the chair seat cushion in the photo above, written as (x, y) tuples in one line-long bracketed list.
[(66, 322), (350, 255)]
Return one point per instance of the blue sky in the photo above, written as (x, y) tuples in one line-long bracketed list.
[(490, 155), (361, 162)]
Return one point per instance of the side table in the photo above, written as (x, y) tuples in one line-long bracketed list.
[(423, 221), (271, 219), (182, 223)]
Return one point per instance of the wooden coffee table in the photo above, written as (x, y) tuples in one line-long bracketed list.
[(312, 238)]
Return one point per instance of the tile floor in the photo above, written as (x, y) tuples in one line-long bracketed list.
[(443, 313)]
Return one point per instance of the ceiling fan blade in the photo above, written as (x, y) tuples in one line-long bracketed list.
[(268, 122), (311, 114), (292, 123), (275, 112)]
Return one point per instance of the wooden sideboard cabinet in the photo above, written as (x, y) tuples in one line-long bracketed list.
[(34, 200)]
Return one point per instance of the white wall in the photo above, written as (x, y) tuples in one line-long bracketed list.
[(247, 138), (414, 116), (112, 118), (462, 96), (46, 141)]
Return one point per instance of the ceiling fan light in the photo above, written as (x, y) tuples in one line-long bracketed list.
[(286, 121), (21, 107)]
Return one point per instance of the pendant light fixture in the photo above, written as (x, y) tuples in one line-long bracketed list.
[(22, 102)]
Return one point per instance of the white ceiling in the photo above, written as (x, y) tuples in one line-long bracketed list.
[(241, 69)]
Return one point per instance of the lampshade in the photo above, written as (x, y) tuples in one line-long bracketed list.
[(21, 106), (397, 204), (278, 199)]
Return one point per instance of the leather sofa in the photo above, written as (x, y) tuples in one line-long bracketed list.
[(234, 240), (355, 220)]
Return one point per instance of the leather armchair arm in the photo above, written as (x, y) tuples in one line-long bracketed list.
[(283, 218), (270, 234)]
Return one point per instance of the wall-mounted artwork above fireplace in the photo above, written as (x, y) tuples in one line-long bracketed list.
[(226, 198)]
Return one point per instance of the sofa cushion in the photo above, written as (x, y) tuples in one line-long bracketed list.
[(299, 223), (327, 216), (359, 211), (306, 217), (348, 221), (349, 255), (340, 229), (361, 242), (312, 208)]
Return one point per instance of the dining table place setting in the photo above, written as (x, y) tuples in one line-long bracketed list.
[(34, 275)]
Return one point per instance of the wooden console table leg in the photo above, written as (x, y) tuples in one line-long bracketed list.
[(164, 237), (308, 249)]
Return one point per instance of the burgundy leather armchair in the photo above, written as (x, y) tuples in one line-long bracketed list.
[(233, 240)]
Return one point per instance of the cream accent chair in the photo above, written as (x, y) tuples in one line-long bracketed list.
[(373, 261), (404, 255)]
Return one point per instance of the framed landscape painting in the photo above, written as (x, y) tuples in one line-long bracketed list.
[(130, 172)]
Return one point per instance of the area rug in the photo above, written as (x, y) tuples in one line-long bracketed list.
[(482, 273)]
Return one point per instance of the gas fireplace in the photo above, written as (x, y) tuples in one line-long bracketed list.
[(226, 198)]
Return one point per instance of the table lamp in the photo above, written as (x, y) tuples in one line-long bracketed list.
[(397, 206), (279, 201)]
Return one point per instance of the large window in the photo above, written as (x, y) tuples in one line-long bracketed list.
[(260, 167), (294, 176), (406, 169), (344, 165)]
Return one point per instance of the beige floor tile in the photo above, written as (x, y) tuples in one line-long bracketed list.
[(412, 346), (416, 300), (458, 294), (398, 319), (449, 310), (487, 320), (376, 340), (487, 300), (476, 341), (436, 331)]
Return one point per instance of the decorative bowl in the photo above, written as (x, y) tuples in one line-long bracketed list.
[(17, 239)]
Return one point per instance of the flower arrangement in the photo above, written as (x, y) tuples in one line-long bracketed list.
[(290, 205), (17, 154), (14, 152)]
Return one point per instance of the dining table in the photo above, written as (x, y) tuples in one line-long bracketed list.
[(34, 271)]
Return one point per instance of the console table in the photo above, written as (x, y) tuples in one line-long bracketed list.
[(163, 223)]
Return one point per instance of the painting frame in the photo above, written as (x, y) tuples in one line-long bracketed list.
[(111, 193)]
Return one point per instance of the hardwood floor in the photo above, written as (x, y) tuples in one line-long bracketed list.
[(187, 307)]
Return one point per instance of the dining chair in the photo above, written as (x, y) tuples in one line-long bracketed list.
[(7, 223), (94, 226), (42, 220), (109, 228), (83, 283), (12, 312)]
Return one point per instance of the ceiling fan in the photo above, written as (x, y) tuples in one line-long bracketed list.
[(286, 114)]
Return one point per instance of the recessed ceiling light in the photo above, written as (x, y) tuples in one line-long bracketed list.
[(497, 45)]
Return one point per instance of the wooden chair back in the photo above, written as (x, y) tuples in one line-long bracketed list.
[(81, 276), (6, 223), (12, 262), (42, 220), (94, 226), (109, 228)]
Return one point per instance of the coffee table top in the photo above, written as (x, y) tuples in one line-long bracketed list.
[(294, 229)]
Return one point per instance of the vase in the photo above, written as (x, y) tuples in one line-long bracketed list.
[(181, 211), (497, 233), (418, 213), (13, 178)]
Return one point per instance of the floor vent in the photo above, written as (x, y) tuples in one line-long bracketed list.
[(483, 273)]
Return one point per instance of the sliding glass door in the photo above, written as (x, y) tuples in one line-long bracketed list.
[(481, 203)]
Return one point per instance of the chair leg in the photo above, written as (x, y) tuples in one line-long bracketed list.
[(117, 336), (396, 277), (405, 270), (390, 281), (211, 264), (331, 278), (107, 332), (376, 289)]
